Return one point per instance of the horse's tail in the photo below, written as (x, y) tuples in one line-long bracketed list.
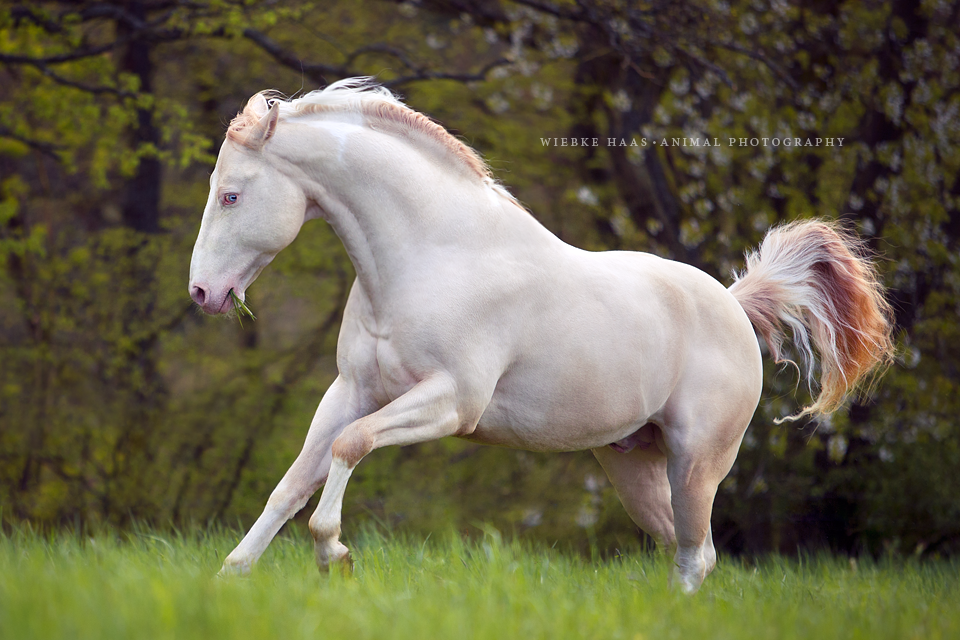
[(814, 277)]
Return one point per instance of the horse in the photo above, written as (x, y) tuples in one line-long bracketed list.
[(468, 318)]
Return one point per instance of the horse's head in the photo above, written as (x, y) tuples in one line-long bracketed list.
[(254, 210)]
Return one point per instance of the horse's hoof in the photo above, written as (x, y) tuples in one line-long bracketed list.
[(335, 557), (688, 585), (231, 569)]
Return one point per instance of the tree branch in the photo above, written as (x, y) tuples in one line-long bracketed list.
[(381, 48), (78, 54), (319, 72), (707, 65), (113, 12), (94, 89), (138, 29), (46, 148), (316, 71), (546, 7), (424, 74), (20, 13), (756, 55)]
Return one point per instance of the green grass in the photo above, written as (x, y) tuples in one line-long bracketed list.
[(241, 308), (147, 585)]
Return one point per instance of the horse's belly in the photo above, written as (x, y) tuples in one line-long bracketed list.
[(543, 436), (550, 417)]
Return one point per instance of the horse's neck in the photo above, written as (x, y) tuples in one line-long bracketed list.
[(393, 209)]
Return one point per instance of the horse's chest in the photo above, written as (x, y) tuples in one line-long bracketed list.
[(398, 373), (375, 366)]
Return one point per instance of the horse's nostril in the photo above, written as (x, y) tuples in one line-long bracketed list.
[(198, 295)]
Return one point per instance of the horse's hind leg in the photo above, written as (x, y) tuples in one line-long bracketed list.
[(710, 552), (697, 460), (640, 479)]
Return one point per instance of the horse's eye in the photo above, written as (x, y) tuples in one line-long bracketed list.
[(229, 198)]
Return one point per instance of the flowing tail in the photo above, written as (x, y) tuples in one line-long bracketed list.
[(814, 277)]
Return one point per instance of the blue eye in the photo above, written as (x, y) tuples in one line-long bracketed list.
[(229, 198)]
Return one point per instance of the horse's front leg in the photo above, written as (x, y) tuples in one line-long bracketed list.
[(306, 474), (427, 412)]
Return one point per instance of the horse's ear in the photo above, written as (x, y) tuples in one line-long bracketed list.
[(265, 128)]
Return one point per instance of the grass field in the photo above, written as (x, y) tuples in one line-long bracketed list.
[(149, 585)]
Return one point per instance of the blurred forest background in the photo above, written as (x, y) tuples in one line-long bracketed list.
[(120, 403)]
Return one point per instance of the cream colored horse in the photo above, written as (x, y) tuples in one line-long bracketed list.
[(468, 318)]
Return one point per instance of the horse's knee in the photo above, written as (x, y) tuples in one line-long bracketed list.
[(289, 500), (352, 445)]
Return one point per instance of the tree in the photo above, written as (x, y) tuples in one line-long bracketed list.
[(95, 199)]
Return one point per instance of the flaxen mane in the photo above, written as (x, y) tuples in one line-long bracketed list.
[(375, 103)]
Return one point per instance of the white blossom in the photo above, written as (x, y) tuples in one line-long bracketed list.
[(680, 86), (837, 447), (586, 196), (621, 101)]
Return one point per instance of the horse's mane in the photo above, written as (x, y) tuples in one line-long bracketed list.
[(374, 102)]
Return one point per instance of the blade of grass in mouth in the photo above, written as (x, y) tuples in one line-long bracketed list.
[(241, 308)]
